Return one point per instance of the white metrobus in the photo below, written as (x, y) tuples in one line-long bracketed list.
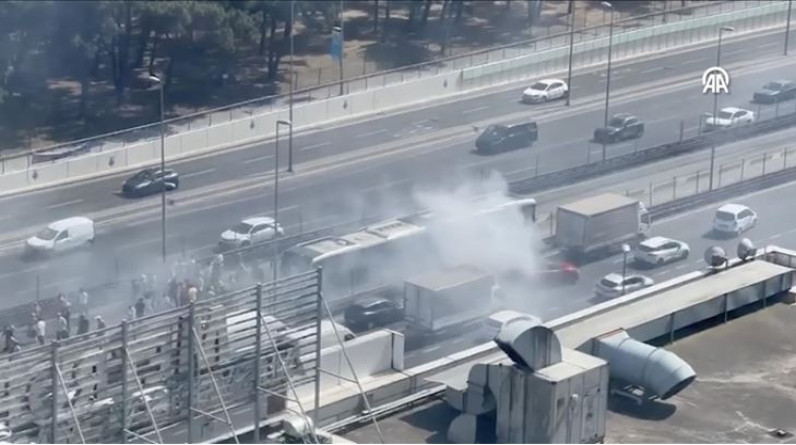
[(381, 254)]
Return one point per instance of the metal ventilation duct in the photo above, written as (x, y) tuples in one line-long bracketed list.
[(529, 344), (657, 370)]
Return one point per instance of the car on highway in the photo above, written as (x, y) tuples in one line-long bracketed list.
[(611, 285), (621, 127), (733, 219), (370, 313), (149, 181), (729, 117), (660, 250), (60, 236), (549, 272), (250, 231), (545, 90), (501, 138), (776, 91)]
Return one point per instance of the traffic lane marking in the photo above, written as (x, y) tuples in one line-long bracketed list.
[(199, 173), (314, 146), (258, 159), (65, 204)]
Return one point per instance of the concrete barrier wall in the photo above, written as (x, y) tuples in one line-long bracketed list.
[(248, 128), (370, 354)]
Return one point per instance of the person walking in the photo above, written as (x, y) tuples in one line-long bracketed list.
[(41, 331), (83, 300), (131, 313), (140, 308), (100, 324), (64, 308), (8, 333), (63, 328), (82, 324)]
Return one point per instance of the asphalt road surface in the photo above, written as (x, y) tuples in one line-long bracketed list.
[(219, 190), (564, 132)]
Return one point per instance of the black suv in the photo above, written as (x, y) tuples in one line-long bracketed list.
[(776, 91), (500, 138), (150, 181), (371, 313), (620, 127)]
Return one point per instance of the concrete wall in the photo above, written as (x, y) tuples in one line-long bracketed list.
[(370, 354)]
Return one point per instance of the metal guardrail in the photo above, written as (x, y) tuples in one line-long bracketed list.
[(720, 194), (648, 155)]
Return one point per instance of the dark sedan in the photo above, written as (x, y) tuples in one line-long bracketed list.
[(776, 91), (621, 127), (149, 181), (500, 138), (372, 313)]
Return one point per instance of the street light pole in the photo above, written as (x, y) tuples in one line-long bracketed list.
[(716, 105), (625, 251), (159, 83), (787, 26), (290, 99), (276, 191), (608, 5), (571, 45), (342, 43)]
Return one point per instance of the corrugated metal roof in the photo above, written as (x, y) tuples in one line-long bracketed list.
[(599, 204)]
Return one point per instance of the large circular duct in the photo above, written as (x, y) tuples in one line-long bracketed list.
[(657, 370), (529, 344)]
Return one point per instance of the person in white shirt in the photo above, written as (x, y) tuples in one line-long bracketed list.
[(41, 330)]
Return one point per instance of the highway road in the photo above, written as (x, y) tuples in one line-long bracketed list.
[(564, 131), (548, 305), (381, 185), (218, 190)]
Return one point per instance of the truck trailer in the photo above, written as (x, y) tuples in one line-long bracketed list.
[(448, 299), (599, 225)]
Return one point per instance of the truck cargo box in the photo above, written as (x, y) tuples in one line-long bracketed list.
[(597, 222), (448, 298)]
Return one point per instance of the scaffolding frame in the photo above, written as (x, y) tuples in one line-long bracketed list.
[(150, 379)]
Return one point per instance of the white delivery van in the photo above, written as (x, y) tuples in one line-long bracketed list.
[(61, 236)]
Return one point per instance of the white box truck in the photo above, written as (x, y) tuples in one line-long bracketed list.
[(448, 298), (599, 225)]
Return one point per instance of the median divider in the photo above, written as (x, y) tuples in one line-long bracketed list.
[(646, 156)]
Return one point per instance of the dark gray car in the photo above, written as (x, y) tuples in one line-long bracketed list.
[(622, 126), (500, 138), (776, 91)]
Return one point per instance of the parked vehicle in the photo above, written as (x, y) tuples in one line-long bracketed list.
[(60, 236), (659, 250), (149, 181), (500, 138), (729, 117), (374, 312), (776, 91), (611, 286), (599, 224), (448, 299), (622, 126), (734, 219), (250, 231), (545, 90)]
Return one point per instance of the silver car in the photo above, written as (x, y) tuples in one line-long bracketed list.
[(611, 285), (659, 250)]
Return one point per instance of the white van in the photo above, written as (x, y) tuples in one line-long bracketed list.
[(61, 236)]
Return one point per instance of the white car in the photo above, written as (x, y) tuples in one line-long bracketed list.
[(544, 90), (734, 219), (250, 231), (611, 285), (730, 117), (658, 250)]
